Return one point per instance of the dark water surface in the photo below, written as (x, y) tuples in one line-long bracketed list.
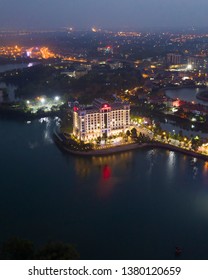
[(133, 205), (186, 94)]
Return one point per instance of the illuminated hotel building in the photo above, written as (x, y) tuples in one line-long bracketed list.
[(101, 119)]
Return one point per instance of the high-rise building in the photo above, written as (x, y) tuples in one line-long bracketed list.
[(173, 58), (195, 61), (101, 119)]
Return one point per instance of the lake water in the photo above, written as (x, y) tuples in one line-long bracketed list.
[(186, 94), (132, 205), (9, 87), (11, 67)]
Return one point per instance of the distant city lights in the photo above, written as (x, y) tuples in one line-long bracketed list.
[(189, 67)]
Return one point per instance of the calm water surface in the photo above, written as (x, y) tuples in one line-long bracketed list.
[(11, 67), (133, 205), (186, 94)]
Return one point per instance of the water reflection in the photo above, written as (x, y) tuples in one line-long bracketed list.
[(106, 172), (107, 183), (112, 194), (103, 164), (82, 167), (49, 126), (171, 163), (193, 163), (195, 172), (44, 127), (11, 91), (33, 145), (46, 119), (47, 136), (122, 159), (151, 159), (205, 168)]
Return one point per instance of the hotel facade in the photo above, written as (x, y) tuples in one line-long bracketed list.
[(102, 119)]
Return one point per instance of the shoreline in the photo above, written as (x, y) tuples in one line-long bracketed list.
[(182, 87), (201, 97), (7, 112), (127, 147)]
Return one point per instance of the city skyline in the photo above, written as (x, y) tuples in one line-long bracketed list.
[(115, 14)]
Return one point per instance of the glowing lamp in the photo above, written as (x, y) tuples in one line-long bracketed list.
[(42, 100), (106, 106)]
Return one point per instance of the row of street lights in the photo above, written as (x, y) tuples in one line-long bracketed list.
[(43, 100)]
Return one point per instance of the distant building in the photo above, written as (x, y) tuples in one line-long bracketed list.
[(115, 64), (195, 61), (100, 119), (75, 73), (105, 50), (173, 58)]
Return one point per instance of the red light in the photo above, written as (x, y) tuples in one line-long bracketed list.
[(106, 172), (75, 108), (176, 103), (106, 106)]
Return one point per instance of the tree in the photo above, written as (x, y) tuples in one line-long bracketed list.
[(180, 135), (20, 249), (157, 128), (17, 249), (105, 135), (168, 136), (195, 143), (134, 132), (98, 139), (128, 133), (57, 251)]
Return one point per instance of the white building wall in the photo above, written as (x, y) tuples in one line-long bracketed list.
[(87, 126)]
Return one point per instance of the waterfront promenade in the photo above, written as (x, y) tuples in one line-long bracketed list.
[(107, 150)]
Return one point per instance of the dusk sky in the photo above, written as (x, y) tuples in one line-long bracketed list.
[(82, 14)]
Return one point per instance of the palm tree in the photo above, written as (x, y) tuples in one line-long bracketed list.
[(128, 133), (134, 132)]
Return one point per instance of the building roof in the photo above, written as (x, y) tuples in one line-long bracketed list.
[(99, 103)]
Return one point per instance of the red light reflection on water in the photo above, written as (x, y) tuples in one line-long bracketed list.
[(106, 172), (106, 184)]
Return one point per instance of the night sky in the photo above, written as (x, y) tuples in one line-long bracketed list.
[(114, 14)]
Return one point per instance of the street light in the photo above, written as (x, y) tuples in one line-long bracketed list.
[(57, 98), (42, 100), (189, 67)]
